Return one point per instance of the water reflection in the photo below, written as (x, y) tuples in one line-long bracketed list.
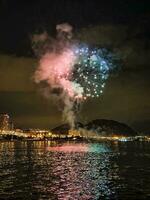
[(70, 170), (79, 147), (83, 171)]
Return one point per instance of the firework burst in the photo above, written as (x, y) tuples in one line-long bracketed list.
[(91, 70), (72, 72)]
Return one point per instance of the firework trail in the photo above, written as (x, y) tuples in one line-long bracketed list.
[(72, 72)]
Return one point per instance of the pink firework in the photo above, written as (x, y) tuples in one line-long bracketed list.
[(56, 70)]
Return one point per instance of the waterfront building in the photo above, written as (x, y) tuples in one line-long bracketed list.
[(4, 122)]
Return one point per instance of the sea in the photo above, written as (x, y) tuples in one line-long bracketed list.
[(74, 170)]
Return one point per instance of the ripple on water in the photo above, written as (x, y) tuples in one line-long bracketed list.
[(50, 170)]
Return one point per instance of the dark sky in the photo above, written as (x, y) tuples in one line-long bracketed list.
[(121, 25)]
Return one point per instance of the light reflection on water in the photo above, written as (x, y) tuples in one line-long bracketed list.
[(79, 147), (85, 170), (70, 170)]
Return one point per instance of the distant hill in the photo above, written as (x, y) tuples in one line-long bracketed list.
[(110, 127), (99, 126)]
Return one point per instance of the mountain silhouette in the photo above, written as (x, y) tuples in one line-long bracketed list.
[(110, 127), (100, 126), (64, 128)]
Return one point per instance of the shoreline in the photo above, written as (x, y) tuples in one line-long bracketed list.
[(78, 139)]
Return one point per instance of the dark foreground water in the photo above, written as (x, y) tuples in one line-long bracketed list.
[(71, 170)]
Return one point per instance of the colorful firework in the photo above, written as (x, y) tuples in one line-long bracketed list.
[(79, 71), (91, 70), (72, 72)]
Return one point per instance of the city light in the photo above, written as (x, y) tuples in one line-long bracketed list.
[(7, 131)]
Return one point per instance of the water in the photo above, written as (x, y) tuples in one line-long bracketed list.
[(74, 170)]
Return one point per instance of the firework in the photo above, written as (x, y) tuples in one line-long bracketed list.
[(80, 71), (72, 72), (91, 70)]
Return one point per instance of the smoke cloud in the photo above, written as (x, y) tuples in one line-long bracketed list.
[(54, 72)]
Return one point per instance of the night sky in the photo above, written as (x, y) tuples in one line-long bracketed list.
[(120, 25)]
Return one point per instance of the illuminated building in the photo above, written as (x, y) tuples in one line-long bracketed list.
[(4, 122), (74, 133)]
